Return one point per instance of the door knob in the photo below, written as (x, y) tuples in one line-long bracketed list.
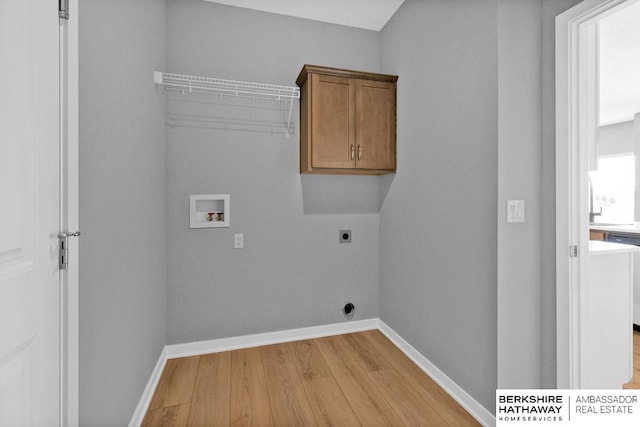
[(63, 248)]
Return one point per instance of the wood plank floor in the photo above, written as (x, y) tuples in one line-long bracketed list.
[(345, 380), (635, 380)]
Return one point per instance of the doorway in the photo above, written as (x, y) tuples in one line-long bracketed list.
[(577, 122)]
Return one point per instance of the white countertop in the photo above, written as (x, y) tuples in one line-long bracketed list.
[(597, 247), (622, 228)]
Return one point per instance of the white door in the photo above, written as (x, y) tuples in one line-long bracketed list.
[(29, 213)]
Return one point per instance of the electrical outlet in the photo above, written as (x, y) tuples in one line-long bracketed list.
[(344, 236), (238, 241)]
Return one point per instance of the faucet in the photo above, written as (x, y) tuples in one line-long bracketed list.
[(592, 214)]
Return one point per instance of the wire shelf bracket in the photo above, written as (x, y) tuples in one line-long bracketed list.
[(220, 87)]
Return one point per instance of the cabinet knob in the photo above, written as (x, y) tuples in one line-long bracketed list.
[(359, 152), (353, 152)]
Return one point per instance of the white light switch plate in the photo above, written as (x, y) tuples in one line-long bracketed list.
[(238, 241), (515, 210)]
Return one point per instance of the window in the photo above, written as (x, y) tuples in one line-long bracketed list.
[(613, 188)]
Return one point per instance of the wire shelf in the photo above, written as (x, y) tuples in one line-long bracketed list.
[(194, 84), (258, 94)]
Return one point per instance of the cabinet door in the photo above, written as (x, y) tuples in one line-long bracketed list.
[(375, 124), (332, 119)]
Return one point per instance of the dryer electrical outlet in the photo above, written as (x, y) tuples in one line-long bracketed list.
[(344, 236)]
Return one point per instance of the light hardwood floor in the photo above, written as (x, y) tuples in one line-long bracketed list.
[(345, 380), (635, 381)]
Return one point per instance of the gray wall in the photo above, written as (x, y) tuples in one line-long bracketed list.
[(292, 272), (122, 205), (519, 178), (526, 252), (438, 231)]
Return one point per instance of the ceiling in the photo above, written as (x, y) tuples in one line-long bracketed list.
[(367, 14), (620, 66)]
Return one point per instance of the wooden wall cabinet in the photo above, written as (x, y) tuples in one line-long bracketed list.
[(347, 121)]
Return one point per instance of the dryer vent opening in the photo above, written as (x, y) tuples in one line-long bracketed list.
[(349, 309)]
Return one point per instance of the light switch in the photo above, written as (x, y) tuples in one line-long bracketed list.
[(238, 241), (515, 210)]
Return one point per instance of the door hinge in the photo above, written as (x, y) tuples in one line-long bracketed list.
[(63, 9), (573, 251), (63, 250)]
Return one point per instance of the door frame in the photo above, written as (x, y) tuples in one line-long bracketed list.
[(69, 215), (576, 123)]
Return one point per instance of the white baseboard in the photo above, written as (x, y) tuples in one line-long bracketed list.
[(147, 394), (267, 338), (478, 411), (472, 406)]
